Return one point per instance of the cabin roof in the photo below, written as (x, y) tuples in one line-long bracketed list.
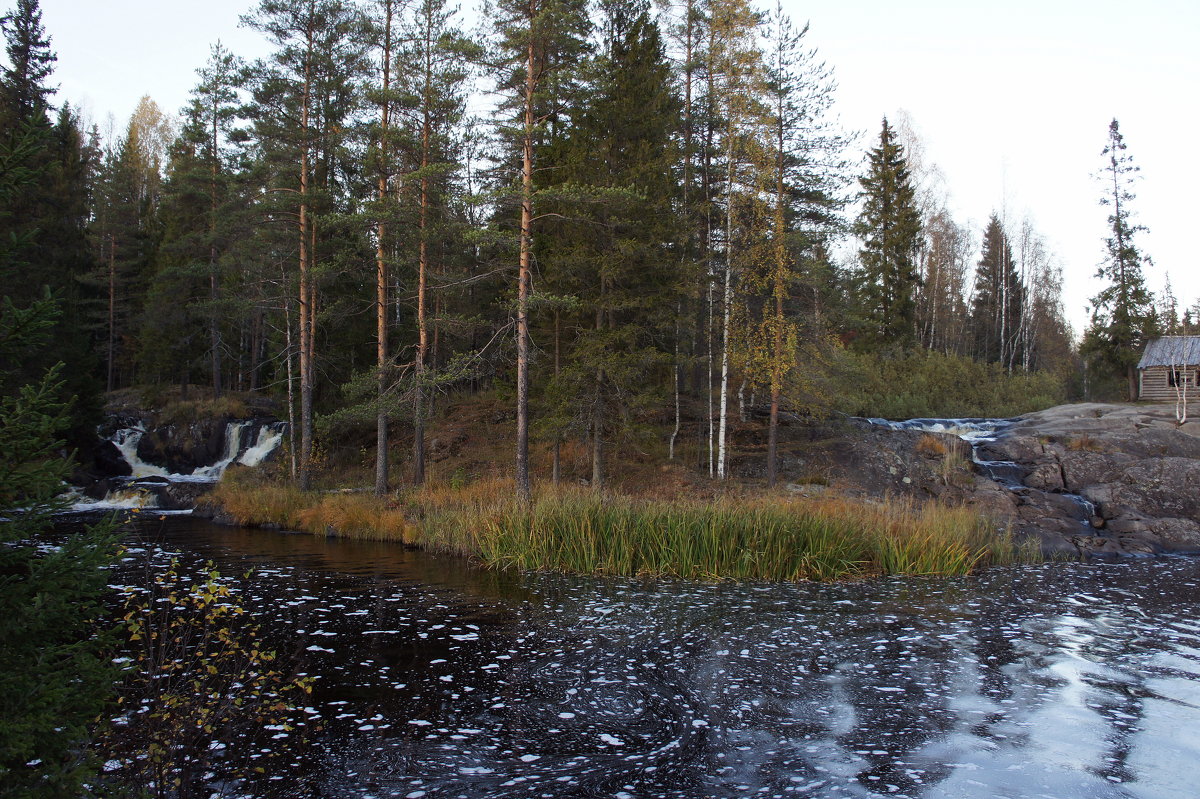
[(1171, 351)]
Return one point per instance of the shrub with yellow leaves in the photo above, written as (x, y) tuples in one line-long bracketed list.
[(201, 701)]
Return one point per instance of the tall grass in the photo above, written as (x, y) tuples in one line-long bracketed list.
[(770, 539), (765, 538)]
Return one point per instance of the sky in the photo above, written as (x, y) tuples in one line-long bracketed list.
[(1011, 100)]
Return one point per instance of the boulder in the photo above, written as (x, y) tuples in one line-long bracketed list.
[(109, 462), (1046, 477), (182, 448), (1083, 468), (1160, 488), (1177, 534)]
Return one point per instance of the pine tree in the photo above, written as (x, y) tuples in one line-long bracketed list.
[(805, 178), (889, 226), (1123, 317), (383, 28), (432, 74), (303, 99), (535, 41)]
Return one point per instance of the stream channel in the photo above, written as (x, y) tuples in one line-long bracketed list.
[(436, 679)]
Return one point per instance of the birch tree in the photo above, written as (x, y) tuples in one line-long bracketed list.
[(736, 64)]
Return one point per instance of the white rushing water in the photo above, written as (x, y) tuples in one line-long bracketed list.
[(269, 438), (126, 440), (982, 431), (237, 450), (233, 446)]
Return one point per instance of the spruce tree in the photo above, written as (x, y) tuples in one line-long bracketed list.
[(1123, 317), (49, 214), (125, 234), (54, 674), (195, 217), (608, 192), (30, 61), (889, 226), (997, 302)]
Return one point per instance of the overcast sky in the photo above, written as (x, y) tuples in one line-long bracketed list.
[(1012, 99)]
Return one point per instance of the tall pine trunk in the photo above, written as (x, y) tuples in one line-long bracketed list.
[(422, 273), (305, 292), (524, 489), (213, 285), (381, 266)]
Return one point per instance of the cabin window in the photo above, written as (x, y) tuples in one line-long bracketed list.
[(1174, 378)]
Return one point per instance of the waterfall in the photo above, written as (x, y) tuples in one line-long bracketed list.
[(977, 432), (269, 438), (129, 493), (233, 445), (126, 440)]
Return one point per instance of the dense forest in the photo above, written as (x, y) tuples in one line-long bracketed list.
[(627, 219)]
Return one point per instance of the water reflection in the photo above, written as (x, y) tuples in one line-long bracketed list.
[(438, 680)]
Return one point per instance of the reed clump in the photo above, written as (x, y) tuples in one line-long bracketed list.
[(574, 529), (767, 539)]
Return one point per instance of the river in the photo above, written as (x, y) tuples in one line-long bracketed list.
[(435, 679)]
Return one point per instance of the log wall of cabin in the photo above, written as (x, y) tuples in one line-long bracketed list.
[(1154, 383)]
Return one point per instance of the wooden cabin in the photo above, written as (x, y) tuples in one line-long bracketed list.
[(1168, 363)]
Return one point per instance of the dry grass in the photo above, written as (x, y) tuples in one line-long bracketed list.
[(759, 538), (1084, 443), (930, 446), (575, 529), (360, 516)]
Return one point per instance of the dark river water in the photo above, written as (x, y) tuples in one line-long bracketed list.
[(434, 679)]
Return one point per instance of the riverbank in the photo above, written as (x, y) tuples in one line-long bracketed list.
[(751, 536), (1080, 480)]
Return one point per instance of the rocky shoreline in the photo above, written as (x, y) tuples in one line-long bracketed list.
[(1137, 467), (1086, 479)]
